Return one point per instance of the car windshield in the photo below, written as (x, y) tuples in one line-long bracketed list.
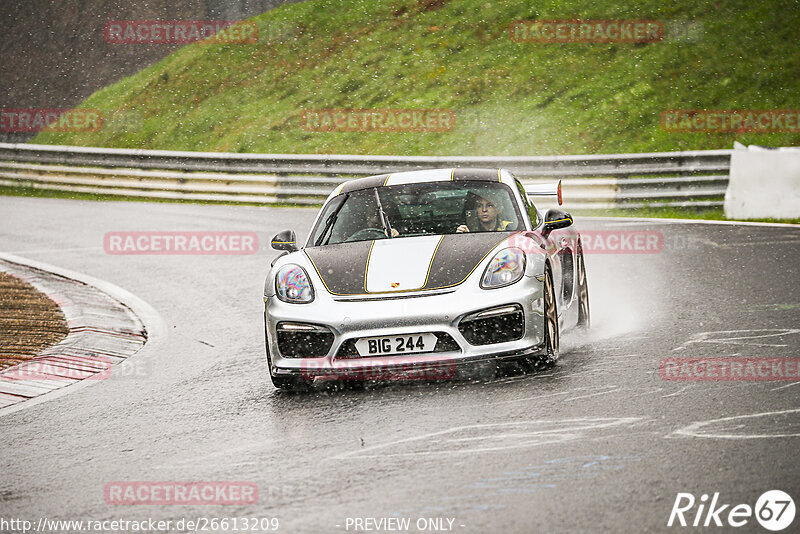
[(418, 209)]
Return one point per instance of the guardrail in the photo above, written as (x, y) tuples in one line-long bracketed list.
[(679, 179)]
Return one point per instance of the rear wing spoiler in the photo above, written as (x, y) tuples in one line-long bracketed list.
[(546, 190)]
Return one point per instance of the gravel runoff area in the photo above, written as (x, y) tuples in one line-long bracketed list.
[(29, 321), (95, 332)]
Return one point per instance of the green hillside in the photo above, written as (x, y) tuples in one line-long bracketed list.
[(509, 98)]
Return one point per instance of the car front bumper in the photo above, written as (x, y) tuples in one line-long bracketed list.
[(396, 315)]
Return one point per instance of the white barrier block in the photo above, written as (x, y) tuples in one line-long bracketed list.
[(764, 183)]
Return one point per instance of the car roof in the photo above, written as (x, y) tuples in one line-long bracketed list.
[(423, 176)]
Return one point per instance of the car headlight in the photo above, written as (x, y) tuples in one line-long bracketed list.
[(506, 267), (292, 284)]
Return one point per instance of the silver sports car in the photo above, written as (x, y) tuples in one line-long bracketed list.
[(419, 274)]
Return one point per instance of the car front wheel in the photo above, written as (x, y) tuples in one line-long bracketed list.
[(584, 317), (551, 333), (291, 383)]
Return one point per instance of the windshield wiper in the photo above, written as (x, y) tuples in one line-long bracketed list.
[(387, 228), (329, 222)]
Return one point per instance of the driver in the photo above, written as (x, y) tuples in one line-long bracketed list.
[(488, 208), (372, 219)]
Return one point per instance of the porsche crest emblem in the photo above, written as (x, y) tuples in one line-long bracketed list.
[(395, 284)]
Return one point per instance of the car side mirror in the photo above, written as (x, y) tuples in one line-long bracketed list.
[(555, 219), (285, 240)]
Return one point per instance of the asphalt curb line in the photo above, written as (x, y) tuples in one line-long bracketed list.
[(107, 325)]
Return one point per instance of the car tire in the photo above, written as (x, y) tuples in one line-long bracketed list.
[(584, 314), (552, 336), (291, 383)]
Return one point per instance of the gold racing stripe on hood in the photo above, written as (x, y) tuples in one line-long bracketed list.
[(344, 268)]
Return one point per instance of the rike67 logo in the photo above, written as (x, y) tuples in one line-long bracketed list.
[(774, 510)]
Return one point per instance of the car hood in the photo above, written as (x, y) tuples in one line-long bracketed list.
[(401, 264)]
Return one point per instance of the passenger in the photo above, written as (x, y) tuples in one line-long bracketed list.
[(488, 209)]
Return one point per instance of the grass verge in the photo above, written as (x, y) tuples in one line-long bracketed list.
[(509, 98)]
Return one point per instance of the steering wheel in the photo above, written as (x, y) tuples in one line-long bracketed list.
[(367, 233)]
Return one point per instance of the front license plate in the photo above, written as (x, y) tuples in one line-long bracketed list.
[(388, 345)]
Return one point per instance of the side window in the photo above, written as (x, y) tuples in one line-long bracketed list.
[(532, 213)]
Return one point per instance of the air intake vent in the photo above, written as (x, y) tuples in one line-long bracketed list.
[(302, 340), (494, 325)]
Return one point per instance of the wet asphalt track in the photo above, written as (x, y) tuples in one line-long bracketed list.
[(598, 442)]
